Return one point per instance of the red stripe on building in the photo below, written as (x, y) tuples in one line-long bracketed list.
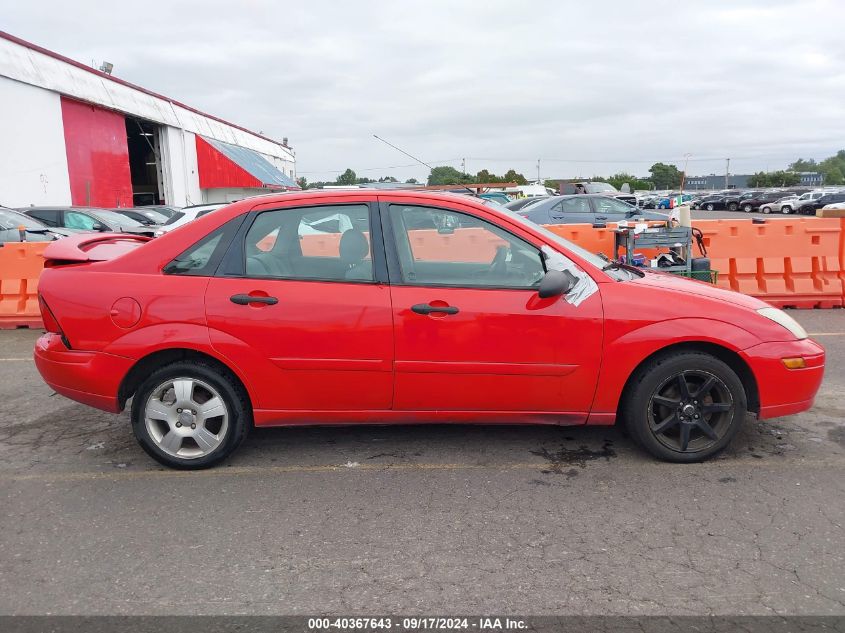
[(97, 155), (217, 171)]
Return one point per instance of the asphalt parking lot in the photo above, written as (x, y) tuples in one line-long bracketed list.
[(421, 519)]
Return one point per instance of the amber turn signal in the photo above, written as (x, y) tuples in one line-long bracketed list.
[(794, 363)]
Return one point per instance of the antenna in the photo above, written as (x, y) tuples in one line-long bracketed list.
[(421, 162)]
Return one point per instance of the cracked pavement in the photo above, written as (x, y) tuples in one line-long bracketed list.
[(424, 519)]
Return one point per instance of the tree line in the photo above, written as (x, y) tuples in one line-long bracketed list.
[(661, 176)]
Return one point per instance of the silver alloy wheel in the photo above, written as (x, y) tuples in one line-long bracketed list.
[(186, 418), (786, 209), (748, 208), (766, 209)]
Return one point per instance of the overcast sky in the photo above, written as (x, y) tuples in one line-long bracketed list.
[(589, 88)]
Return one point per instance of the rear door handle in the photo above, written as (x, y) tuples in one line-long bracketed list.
[(245, 300), (425, 308)]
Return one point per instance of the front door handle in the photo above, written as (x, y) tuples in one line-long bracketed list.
[(245, 300), (425, 308)]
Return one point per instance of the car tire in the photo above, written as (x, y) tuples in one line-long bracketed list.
[(659, 413), (747, 208), (766, 209), (733, 206), (709, 207), (190, 415), (786, 209)]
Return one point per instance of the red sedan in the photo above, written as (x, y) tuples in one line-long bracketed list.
[(365, 307)]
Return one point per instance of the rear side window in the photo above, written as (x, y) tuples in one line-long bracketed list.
[(201, 259), (50, 217)]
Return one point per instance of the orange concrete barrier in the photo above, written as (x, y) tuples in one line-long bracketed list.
[(794, 263), (20, 267), (797, 263)]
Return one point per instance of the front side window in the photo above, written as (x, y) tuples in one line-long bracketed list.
[(330, 243), (447, 248)]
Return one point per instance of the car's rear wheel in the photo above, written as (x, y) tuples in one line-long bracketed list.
[(685, 407), (709, 207), (786, 209), (733, 206), (747, 208), (766, 209), (190, 415)]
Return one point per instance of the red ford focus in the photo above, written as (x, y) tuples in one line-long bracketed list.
[(364, 307)]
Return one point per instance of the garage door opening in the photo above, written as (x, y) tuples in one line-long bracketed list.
[(142, 139)]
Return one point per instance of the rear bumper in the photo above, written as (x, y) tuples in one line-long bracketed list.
[(92, 378), (786, 391)]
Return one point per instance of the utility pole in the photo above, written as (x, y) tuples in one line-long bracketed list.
[(684, 173), (464, 166), (538, 170), (727, 173)]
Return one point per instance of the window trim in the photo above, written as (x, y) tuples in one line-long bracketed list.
[(395, 268), (233, 263), (229, 230)]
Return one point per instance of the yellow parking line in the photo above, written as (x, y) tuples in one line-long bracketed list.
[(718, 465)]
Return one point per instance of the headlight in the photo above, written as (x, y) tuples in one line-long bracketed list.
[(783, 319)]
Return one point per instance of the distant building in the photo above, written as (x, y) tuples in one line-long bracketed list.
[(716, 182), (811, 178), (72, 134)]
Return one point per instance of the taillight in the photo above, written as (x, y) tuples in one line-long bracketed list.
[(50, 322)]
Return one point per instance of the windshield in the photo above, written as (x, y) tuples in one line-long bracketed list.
[(116, 218), (10, 219), (566, 245), (175, 218)]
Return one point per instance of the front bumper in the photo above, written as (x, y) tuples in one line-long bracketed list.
[(92, 378), (786, 391)]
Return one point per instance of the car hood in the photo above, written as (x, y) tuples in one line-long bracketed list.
[(684, 286)]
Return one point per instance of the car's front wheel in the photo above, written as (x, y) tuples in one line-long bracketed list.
[(786, 209), (732, 206), (747, 208), (710, 207), (190, 415), (685, 407)]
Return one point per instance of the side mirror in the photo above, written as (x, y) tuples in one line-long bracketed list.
[(556, 283), (98, 227)]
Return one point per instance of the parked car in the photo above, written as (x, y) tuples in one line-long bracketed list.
[(87, 219), (603, 188), (834, 205), (585, 208), (520, 203), (187, 214), (782, 205), (734, 199), (808, 198), (757, 200), (710, 203), (16, 227), (811, 207), (238, 320), (146, 216)]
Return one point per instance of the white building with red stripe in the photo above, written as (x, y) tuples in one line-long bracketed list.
[(73, 135)]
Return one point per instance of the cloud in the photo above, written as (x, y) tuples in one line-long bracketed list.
[(589, 88)]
